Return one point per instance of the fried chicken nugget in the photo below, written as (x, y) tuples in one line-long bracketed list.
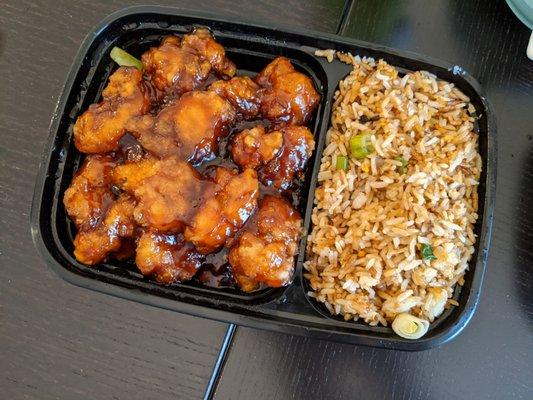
[(92, 246), (99, 129), (253, 148), (189, 129), (223, 214), (264, 252), (167, 258), (89, 195), (168, 192), (180, 66), (289, 96)]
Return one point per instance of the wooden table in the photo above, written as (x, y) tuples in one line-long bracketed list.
[(60, 341)]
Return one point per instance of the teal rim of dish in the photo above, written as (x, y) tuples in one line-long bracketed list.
[(523, 9)]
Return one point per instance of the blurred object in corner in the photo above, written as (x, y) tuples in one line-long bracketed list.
[(523, 9)]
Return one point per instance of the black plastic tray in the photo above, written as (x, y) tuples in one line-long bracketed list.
[(251, 46)]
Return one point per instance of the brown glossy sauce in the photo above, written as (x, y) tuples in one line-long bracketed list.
[(216, 271), (130, 150)]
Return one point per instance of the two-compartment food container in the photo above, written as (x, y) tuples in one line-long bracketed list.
[(251, 47)]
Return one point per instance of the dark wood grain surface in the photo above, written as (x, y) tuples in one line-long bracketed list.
[(491, 359), (57, 340)]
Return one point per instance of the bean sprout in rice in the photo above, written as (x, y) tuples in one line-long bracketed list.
[(418, 187)]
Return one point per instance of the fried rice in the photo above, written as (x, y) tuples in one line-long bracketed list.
[(416, 190)]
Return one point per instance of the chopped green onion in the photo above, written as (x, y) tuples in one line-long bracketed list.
[(125, 59), (361, 145), (409, 327), (402, 168), (427, 252), (342, 163)]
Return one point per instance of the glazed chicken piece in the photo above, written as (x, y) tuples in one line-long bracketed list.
[(130, 176), (289, 96), (280, 156), (243, 94), (92, 246), (253, 148), (290, 162), (222, 215), (167, 258), (102, 222), (264, 253), (189, 129), (202, 43), (89, 194), (172, 195), (179, 66), (168, 192), (174, 70), (99, 129)]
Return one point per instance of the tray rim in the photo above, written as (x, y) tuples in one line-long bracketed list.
[(283, 325)]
